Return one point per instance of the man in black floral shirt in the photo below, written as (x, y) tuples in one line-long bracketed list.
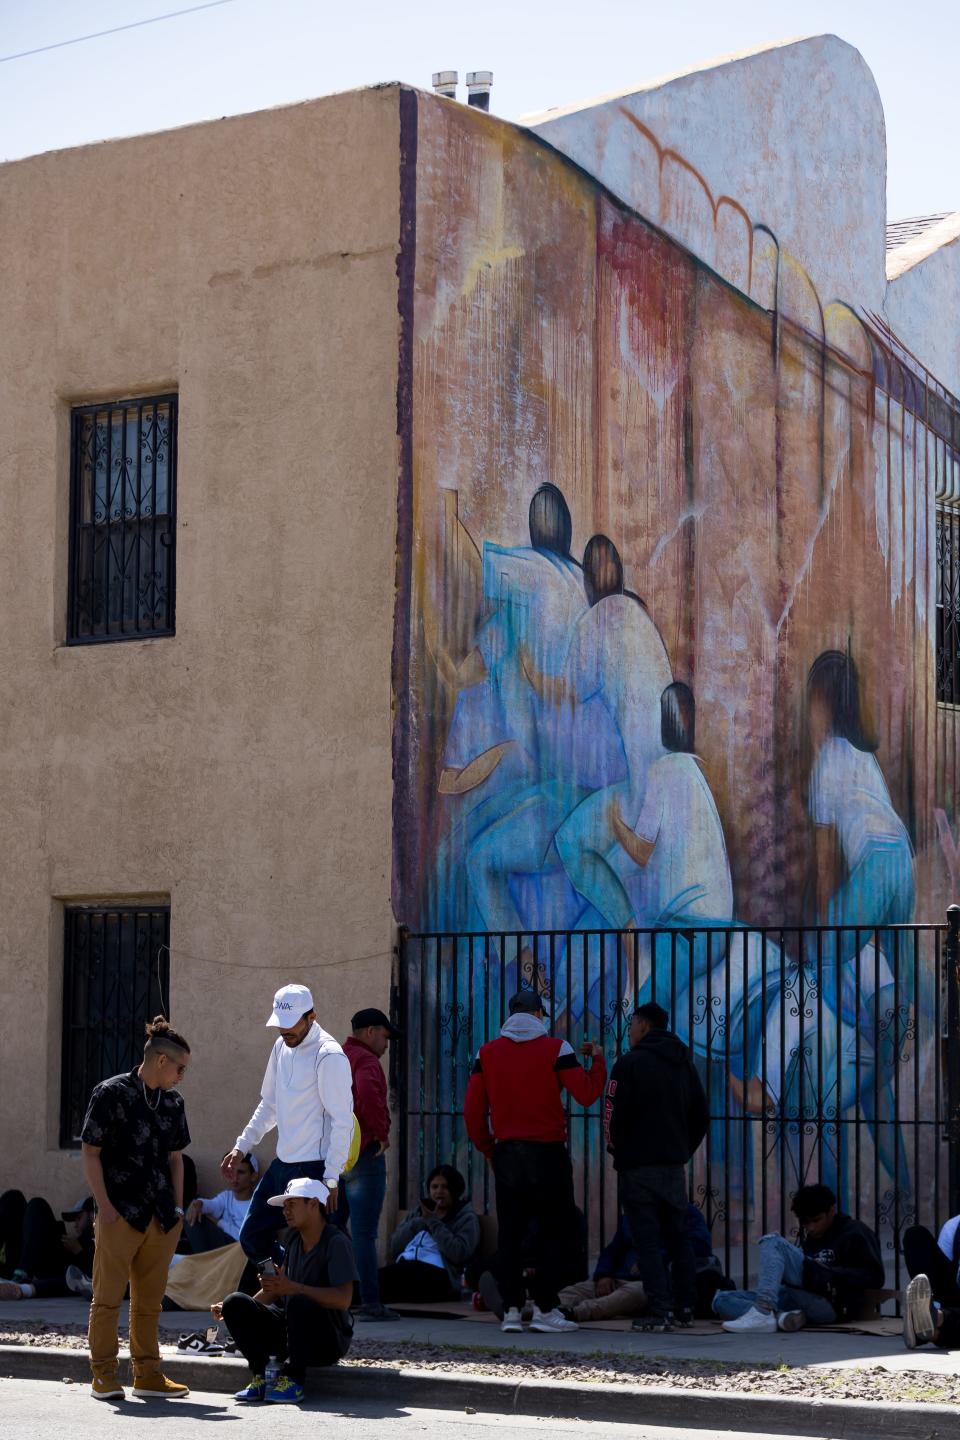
[(133, 1136)]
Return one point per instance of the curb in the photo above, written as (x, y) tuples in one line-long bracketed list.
[(559, 1399)]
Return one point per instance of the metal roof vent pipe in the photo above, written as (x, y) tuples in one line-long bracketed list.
[(479, 85), (445, 83)]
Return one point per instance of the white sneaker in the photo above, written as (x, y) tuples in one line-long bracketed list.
[(77, 1282), (791, 1320), (759, 1322), (919, 1326), (554, 1322), (511, 1324)]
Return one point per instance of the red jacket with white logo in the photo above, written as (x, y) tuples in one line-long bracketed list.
[(516, 1089)]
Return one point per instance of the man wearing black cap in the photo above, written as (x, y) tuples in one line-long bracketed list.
[(515, 1116), (363, 1190)]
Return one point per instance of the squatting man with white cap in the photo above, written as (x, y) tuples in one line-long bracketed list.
[(301, 1313), (307, 1093)]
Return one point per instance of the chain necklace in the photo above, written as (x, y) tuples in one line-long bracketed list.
[(143, 1087)]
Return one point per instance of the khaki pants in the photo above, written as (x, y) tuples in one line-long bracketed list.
[(582, 1300), (121, 1254)]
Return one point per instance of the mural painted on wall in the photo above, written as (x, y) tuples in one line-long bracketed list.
[(671, 620)]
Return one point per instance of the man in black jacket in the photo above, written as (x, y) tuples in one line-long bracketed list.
[(655, 1116), (820, 1281)]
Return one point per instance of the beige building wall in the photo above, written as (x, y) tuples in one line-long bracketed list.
[(243, 767)]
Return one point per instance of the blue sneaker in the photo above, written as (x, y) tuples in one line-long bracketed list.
[(255, 1389), (286, 1392)]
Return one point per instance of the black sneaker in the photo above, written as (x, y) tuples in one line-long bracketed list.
[(683, 1319), (375, 1312), (652, 1324)]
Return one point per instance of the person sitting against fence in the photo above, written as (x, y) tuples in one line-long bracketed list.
[(931, 1302), (616, 1289), (926, 1320), (433, 1244), (211, 1224), (818, 1282), (938, 1259), (301, 1314), (44, 1257)]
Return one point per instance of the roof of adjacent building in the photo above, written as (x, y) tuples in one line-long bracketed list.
[(900, 231)]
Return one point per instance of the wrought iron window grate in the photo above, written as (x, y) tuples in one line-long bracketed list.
[(115, 978), (948, 607), (123, 460)]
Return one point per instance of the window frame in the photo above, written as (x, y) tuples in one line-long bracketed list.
[(947, 518), (75, 1060), (77, 413)]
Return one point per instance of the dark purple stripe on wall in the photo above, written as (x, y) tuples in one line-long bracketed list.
[(404, 856)]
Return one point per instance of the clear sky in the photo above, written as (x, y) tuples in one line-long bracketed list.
[(248, 54)]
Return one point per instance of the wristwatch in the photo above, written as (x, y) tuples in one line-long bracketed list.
[(178, 1210)]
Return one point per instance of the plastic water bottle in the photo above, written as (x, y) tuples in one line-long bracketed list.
[(272, 1372)]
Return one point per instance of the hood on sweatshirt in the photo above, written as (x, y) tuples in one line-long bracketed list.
[(668, 1046), (523, 1027)]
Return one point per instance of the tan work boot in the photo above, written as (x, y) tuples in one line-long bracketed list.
[(106, 1387), (155, 1386)]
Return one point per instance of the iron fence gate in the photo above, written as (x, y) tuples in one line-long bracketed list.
[(824, 1053)]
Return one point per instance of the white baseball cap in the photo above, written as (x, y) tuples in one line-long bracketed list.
[(289, 1004), (302, 1188)]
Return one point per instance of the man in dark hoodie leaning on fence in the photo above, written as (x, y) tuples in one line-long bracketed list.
[(515, 1116), (655, 1117)]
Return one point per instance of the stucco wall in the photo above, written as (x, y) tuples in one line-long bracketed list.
[(241, 768), (780, 150), (923, 299)]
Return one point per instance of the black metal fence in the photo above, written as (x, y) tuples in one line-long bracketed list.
[(824, 1053), (116, 977)]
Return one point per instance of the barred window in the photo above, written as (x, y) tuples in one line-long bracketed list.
[(948, 607), (116, 970), (123, 462)]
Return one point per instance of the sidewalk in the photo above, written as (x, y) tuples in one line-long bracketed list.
[(827, 1350)]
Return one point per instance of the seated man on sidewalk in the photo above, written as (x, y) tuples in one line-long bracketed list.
[(211, 1224), (818, 1282), (433, 1244), (300, 1316), (41, 1256), (616, 1288), (938, 1259), (925, 1320)]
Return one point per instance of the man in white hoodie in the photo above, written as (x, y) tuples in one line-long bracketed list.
[(307, 1093)]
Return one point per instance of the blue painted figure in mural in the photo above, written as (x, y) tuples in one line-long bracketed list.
[(617, 655), (856, 824), (677, 840), (864, 877), (536, 595)]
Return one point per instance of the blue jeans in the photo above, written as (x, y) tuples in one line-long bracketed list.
[(258, 1233), (363, 1191), (779, 1286)]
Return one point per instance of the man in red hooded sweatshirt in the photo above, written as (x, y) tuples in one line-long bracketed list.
[(515, 1116)]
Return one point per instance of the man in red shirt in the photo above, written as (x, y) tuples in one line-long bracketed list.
[(515, 1116), (364, 1188)]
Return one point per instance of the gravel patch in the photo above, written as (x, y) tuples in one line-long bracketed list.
[(873, 1383)]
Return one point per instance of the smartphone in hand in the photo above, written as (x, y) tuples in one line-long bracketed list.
[(266, 1267)]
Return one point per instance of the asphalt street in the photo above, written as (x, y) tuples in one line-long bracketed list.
[(37, 1409)]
